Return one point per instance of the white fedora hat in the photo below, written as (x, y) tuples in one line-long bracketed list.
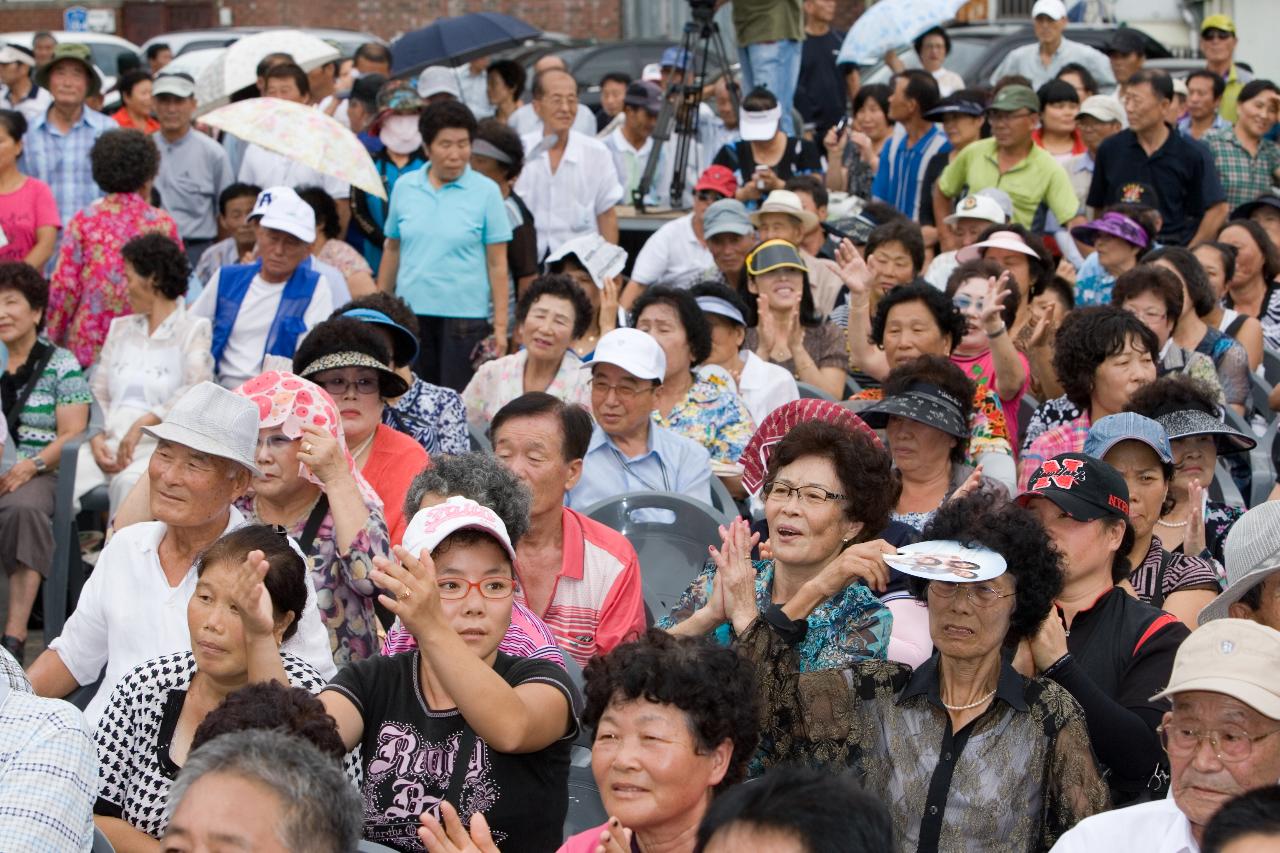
[(212, 420)]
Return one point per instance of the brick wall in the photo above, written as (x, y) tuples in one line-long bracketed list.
[(18, 17)]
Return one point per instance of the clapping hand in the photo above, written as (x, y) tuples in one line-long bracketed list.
[(614, 838), (453, 837), (609, 305), (735, 573), (1194, 541), (1043, 329)]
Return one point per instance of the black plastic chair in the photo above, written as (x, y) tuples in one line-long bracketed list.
[(813, 392), (479, 441), (100, 843), (586, 809), (671, 551)]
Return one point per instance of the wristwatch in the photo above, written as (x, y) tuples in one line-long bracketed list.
[(41, 465)]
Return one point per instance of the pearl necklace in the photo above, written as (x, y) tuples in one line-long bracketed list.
[(971, 705), (1163, 523)]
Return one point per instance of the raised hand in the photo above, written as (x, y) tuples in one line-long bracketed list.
[(250, 595), (609, 305), (766, 327), (1043, 330), (453, 837), (319, 451), (735, 573), (414, 596), (853, 269), (861, 562), (1193, 541), (998, 293)]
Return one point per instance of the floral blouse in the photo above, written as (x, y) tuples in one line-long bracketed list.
[(431, 415), (500, 381), (344, 591), (341, 254), (1013, 780), (714, 416), (87, 290), (846, 628)]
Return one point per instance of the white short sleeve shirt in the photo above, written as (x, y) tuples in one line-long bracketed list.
[(565, 203)]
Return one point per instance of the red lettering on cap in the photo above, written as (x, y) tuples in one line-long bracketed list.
[(1118, 503), (1063, 475)]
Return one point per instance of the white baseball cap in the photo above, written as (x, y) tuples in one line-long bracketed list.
[(759, 126), (10, 54), (429, 527), (438, 80), (1053, 8), (634, 351), (978, 207), (1102, 108), (284, 210)]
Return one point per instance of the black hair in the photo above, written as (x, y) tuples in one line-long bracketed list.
[(14, 124), (1061, 288), (940, 371), (575, 421), (1087, 80), (810, 184), (1227, 254), (443, 115), (824, 812), (918, 44), (984, 269), (989, 520), (288, 71), (615, 77), (904, 232), (235, 191), (1056, 92), (1219, 85), (863, 467), (877, 92), (326, 210), (511, 73), (881, 212), (1254, 88), (15, 275), (374, 52), (154, 50), (340, 334), (921, 88), (1270, 253), (468, 537), (1190, 271), (506, 140), (759, 99), (272, 705), (951, 323), (1042, 266), (1159, 81), (388, 303), (697, 330), (712, 684), (157, 255), (1252, 597), (286, 578), (1149, 278), (122, 161), (1173, 392), (1254, 813), (1087, 338), (271, 60), (1011, 80), (560, 287), (129, 79)]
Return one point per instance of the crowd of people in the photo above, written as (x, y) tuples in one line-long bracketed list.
[(971, 376)]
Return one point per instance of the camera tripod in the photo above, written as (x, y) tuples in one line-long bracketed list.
[(682, 98)]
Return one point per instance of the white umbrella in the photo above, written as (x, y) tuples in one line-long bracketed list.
[(238, 66), (890, 24)]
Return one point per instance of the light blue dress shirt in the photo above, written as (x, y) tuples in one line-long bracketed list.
[(672, 463)]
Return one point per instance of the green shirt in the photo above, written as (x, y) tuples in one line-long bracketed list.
[(1244, 176), (1038, 180), (768, 20)]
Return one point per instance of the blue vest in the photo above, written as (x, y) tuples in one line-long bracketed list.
[(288, 326)]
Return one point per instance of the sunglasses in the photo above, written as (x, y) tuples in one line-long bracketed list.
[(1215, 35), (709, 196)]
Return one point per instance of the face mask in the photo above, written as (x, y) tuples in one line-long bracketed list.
[(400, 134)]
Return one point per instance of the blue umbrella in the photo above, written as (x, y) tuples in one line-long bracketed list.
[(890, 24), (453, 41)]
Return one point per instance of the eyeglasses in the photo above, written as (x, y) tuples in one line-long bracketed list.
[(781, 492), (964, 303), (979, 594), (276, 442), (624, 393), (1231, 744), (708, 196), (496, 589), (1150, 314), (337, 386)]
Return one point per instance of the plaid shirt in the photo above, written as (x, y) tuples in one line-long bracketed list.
[(1068, 438), (61, 160), (1244, 176)]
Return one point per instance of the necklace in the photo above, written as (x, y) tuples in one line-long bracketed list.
[(364, 445), (981, 701), (1163, 523)]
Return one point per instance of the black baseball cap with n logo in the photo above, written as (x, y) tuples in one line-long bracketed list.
[(1082, 486)]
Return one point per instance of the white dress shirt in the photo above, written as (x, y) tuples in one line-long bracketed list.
[(565, 203), (128, 614), (264, 168), (1155, 827), (673, 256)]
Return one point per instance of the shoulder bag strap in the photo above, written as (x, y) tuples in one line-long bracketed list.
[(43, 356), (1157, 597), (313, 524), (458, 778)]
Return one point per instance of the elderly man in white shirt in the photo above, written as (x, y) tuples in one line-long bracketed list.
[(526, 119), (569, 182), (134, 606), (1222, 737)]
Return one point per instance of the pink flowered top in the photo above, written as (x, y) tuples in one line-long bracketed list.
[(87, 290), (500, 381)]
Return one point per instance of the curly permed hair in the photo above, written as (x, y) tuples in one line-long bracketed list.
[(272, 705), (122, 161)]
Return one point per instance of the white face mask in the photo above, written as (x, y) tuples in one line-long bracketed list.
[(400, 134)]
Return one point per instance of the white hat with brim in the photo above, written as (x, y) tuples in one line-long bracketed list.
[(1007, 240), (431, 526), (438, 80), (282, 209), (1234, 657), (210, 419), (978, 207), (1251, 554), (10, 54), (785, 201), (759, 126), (634, 351)]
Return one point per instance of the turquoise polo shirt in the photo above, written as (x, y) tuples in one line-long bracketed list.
[(443, 234)]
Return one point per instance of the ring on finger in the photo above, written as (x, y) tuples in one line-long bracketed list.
[(403, 595), (306, 447)]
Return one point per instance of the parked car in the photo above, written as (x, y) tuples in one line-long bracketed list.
[(105, 48), (183, 41)]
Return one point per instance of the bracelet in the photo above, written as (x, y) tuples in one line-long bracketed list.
[(997, 333), (1057, 666)]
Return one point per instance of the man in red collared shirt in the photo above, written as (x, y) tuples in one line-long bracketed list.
[(581, 577), (1109, 650)]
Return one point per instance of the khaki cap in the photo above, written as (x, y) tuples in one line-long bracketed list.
[(1235, 657)]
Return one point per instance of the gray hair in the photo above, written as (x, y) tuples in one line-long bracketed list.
[(321, 811), (480, 477)]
